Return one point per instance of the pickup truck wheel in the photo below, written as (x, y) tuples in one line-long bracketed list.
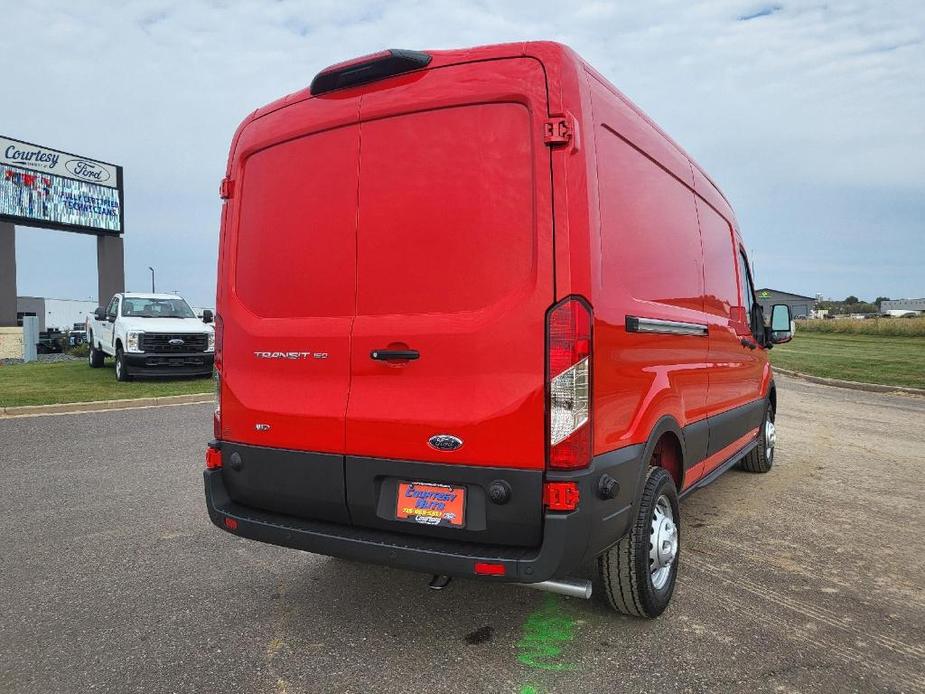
[(639, 572), (95, 357), (121, 374), (761, 458)]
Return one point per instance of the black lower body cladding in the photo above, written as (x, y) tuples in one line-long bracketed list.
[(355, 519), (174, 364)]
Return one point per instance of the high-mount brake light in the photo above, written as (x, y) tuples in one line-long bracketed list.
[(568, 383), (369, 68)]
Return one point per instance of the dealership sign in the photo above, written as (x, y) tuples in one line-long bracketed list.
[(43, 187)]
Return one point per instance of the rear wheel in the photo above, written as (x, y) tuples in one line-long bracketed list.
[(95, 356), (761, 458), (121, 374), (640, 571)]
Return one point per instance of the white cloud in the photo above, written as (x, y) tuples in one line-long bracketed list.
[(819, 105)]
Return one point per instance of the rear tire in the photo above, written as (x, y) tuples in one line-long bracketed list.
[(761, 458), (95, 357), (121, 374), (639, 572)]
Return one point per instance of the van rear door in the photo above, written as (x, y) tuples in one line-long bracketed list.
[(454, 268), (287, 316)]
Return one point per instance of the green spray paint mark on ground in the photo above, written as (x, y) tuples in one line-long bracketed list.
[(546, 632)]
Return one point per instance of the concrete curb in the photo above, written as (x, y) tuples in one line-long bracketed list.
[(103, 405), (853, 385)]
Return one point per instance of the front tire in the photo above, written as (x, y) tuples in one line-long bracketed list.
[(639, 572), (121, 373), (95, 356), (761, 458)]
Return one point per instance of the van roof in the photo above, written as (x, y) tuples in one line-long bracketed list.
[(557, 58)]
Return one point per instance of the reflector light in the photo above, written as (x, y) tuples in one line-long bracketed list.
[(230, 523), (561, 496), (484, 568), (213, 458), (568, 335)]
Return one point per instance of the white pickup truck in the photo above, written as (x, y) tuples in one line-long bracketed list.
[(151, 335)]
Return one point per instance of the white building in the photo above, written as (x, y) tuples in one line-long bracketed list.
[(53, 313), (902, 307)]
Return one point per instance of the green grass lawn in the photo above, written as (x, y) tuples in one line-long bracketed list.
[(893, 361), (75, 381)]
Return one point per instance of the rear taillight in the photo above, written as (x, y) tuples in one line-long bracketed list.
[(219, 341), (568, 383), (217, 414), (219, 327)]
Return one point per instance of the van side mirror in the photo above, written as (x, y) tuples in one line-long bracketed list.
[(99, 313), (781, 324), (207, 316)]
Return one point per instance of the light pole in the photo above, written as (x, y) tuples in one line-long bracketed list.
[(152, 278)]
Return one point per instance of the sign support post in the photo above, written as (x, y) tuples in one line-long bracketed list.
[(110, 267), (7, 275)]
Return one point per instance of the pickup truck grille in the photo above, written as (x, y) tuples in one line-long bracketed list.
[(161, 342)]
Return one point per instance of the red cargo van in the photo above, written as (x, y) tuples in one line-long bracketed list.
[(479, 316)]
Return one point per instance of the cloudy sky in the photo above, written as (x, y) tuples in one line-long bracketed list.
[(810, 116)]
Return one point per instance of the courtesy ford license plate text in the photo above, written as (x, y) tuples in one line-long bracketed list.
[(431, 504)]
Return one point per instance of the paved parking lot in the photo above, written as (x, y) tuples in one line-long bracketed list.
[(112, 579)]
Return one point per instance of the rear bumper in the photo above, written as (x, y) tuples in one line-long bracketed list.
[(527, 565), (174, 364), (568, 539)]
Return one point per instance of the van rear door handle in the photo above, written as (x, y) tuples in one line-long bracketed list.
[(394, 354), (748, 343)]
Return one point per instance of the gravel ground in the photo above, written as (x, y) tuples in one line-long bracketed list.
[(45, 359), (807, 579)]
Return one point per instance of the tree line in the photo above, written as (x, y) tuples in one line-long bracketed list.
[(851, 304)]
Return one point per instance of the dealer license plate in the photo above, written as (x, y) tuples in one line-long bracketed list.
[(431, 504)]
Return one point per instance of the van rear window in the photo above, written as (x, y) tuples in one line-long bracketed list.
[(446, 219), (297, 232), (438, 216)]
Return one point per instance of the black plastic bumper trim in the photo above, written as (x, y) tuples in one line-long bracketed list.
[(568, 539)]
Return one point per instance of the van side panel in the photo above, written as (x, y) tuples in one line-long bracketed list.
[(738, 368), (650, 268), (732, 381)]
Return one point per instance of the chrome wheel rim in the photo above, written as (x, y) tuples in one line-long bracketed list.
[(119, 368), (770, 435), (663, 543)]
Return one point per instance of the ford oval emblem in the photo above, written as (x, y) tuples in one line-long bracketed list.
[(87, 170), (444, 442), (176, 342)]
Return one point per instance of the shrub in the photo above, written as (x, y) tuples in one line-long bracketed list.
[(81, 350), (894, 327)]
